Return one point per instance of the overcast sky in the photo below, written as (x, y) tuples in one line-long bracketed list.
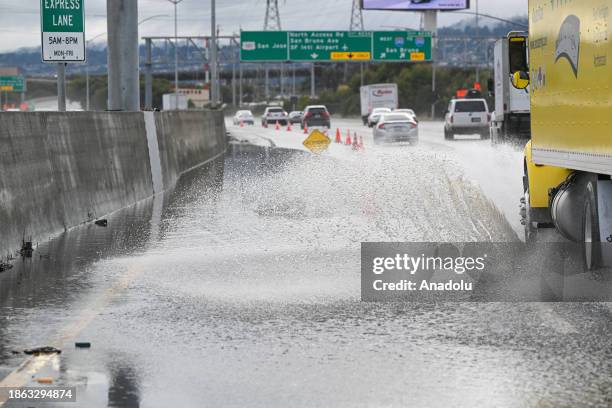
[(20, 21)]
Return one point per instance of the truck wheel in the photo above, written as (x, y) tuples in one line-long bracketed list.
[(485, 135), (497, 135), (590, 228)]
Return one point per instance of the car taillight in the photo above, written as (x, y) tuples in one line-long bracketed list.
[(452, 119), (326, 115), (488, 117), (413, 125), (306, 116), (381, 126)]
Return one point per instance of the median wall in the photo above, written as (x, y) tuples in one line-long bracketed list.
[(59, 170)]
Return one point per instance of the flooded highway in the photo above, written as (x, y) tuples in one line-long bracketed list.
[(241, 287)]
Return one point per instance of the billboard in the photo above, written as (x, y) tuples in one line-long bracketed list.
[(415, 5)]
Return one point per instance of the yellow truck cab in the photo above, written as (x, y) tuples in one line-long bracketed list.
[(568, 162)]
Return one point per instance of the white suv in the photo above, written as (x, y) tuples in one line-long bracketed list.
[(274, 114), (467, 117)]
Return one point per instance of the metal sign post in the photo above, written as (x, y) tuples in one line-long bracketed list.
[(63, 38), (61, 87)]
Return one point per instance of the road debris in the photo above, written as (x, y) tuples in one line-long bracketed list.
[(5, 266), (82, 345), (102, 223), (42, 350), (27, 249)]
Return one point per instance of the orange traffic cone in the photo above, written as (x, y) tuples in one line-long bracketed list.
[(355, 142), (338, 136), (289, 127), (242, 123), (348, 140), (277, 127), (305, 129), (361, 145)]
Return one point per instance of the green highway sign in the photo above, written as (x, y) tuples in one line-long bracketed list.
[(401, 46), (338, 46), (16, 83), (267, 45), (63, 30), (329, 45)]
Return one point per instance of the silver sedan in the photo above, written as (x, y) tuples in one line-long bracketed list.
[(396, 127)]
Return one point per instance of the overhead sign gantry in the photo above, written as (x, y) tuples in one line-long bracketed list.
[(335, 46)]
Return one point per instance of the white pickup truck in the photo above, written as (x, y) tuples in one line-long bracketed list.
[(466, 117)]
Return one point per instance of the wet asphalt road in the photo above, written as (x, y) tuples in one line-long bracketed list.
[(241, 288)]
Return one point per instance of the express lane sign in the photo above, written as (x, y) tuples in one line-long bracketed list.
[(63, 30)]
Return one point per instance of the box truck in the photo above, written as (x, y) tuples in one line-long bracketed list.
[(512, 116), (568, 162), (377, 96)]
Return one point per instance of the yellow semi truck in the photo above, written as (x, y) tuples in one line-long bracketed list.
[(568, 162)]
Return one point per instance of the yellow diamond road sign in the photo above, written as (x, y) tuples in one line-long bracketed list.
[(317, 142)]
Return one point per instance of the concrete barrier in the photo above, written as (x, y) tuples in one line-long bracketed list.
[(59, 170), (180, 146)]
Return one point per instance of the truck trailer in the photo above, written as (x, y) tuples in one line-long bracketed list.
[(377, 96), (568, 162)]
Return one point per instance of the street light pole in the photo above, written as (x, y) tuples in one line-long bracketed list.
[(176, 76), (214, 97), (478, 48)]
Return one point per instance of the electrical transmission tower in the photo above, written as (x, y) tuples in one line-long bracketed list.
[(272, 23), (356, 17), (356, 25)]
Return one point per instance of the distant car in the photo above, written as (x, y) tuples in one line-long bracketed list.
[(295, 117), (244, 116), (274, 114), (376, 114), (408, 111), (466, 117), (316, 115), (396, 127)]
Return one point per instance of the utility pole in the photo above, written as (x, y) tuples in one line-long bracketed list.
[(477, 48), (123, 70), (148, 74), (430, 23), (234, 63), (272, 22), (313, 93), (293, 80), (176, 75), (214, 96), (240, 85)]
